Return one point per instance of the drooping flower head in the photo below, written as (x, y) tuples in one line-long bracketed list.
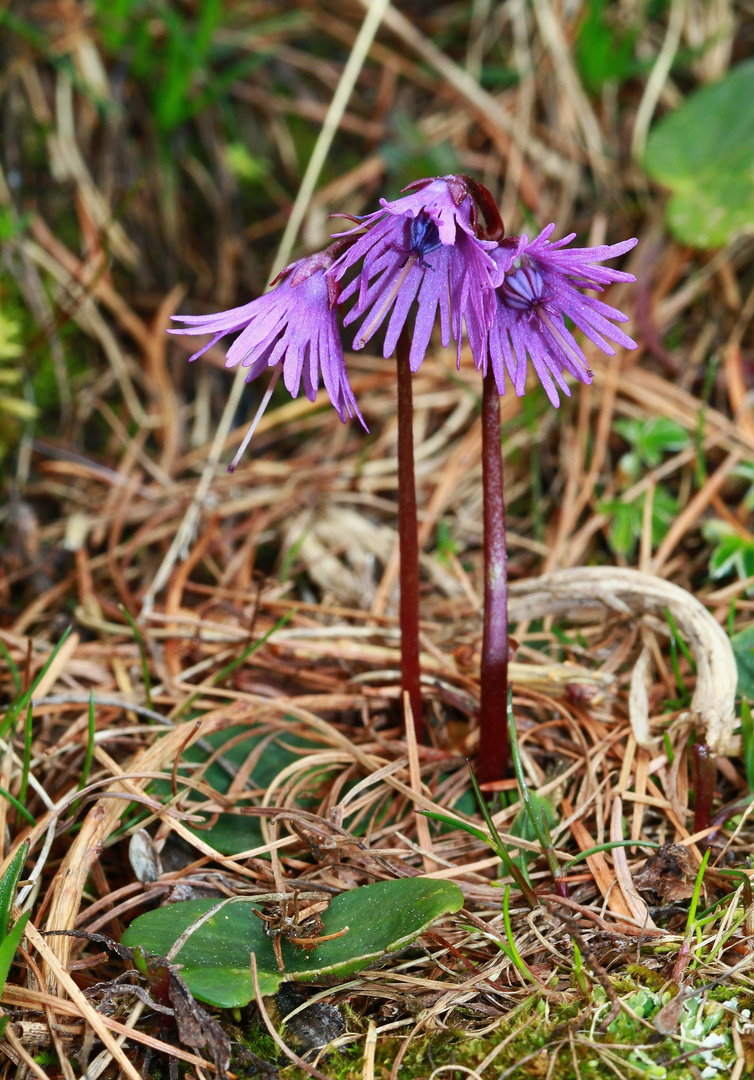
[(537, 286), (292, 329), (422, 247)]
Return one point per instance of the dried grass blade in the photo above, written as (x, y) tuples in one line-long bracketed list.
[(88, 1013), (637, 906)]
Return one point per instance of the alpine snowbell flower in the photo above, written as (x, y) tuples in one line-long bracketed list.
[(423, 255), (293, 330), (537, 285), (422, 247)]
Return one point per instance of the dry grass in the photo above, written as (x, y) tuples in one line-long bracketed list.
[(306, 528)]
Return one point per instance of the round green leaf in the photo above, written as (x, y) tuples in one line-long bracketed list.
[(380, 918), (704, 152)]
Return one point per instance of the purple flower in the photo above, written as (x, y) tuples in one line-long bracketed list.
[(537, 285), (293, 326), (445, 200), (422, 247)]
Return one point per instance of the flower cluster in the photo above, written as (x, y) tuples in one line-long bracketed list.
[(428, 252)]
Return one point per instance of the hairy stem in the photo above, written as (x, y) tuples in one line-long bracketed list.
[(408, 536), (493, 735)]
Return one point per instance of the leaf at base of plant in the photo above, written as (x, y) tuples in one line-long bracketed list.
[(380, 918)]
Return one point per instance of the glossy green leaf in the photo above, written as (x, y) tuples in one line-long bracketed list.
[(704, 152), (380, 918)]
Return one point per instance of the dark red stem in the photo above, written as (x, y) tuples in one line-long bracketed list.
[(493, 733), (703, 777), (409, 538)]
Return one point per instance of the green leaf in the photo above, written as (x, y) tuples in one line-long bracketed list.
[(743, 650), (746, 561), (745, 471), (244, 165), (652, 438), (604, 52), (625, 528), (380, 918), (704, 152), (232, 833), (8, 885), (732, 553), (8, 948), (661, 436), (628, 428), (715, 530), (724, 558)]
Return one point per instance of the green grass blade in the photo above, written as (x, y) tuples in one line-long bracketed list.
[(697, 892), (510, 949), (89, 756), (8, 886), (233, 664), (518, 768), (142, 653), (15, 674), (675, 636), (499, 847), (747, 738), (608, 846), (21, 702), (27, 756), (19, 806), (472, 830), (8, 948)]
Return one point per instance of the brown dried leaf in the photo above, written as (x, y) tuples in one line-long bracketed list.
[(669, 876)]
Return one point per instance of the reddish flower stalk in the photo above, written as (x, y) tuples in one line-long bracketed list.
[(493, 731), (408, 537), (703, 775)]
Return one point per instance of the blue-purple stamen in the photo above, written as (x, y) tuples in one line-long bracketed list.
[(524, 288), (423, 237)]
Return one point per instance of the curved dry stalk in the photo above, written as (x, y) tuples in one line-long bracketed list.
[(631, 592)]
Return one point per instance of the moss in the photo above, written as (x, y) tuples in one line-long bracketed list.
[(255, 1038), (542, 1031)]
